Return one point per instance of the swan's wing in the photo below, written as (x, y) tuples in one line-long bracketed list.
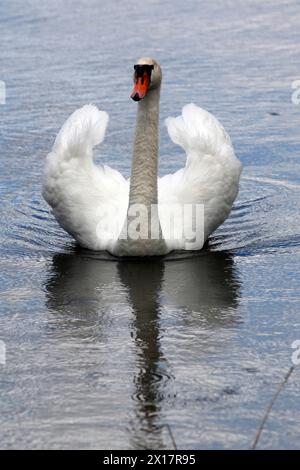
[(210, 177), (80, 192)]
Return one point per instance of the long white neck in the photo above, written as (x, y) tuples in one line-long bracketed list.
[(143, 182)]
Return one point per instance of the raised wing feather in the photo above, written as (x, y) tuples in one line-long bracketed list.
[(75, 187), (210, 176)]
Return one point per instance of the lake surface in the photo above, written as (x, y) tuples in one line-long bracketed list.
[(105, 354)]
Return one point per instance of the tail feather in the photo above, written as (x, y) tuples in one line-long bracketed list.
[(82, 131)]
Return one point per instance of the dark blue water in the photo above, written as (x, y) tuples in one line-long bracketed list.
[(104, 354)]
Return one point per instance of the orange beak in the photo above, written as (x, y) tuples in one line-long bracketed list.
[(141, 87)]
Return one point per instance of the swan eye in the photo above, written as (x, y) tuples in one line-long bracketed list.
[(140, 70)]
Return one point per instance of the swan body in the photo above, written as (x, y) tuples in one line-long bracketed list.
[(93, 203)]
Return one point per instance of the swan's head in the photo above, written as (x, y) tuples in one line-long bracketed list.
[(147, 75)]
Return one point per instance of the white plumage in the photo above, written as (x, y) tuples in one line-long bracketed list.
[(74, 186), (77, 189), (211, 173)]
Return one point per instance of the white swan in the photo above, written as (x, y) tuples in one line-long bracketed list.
[(94, 203)]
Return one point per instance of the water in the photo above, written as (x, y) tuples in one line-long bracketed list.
[(105, 354)]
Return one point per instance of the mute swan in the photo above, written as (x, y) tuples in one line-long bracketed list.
[(94, 203)]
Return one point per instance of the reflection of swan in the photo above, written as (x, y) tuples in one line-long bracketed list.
[(79, 293), (83, 291), (142, 281), (206, 285), (96, 205)]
